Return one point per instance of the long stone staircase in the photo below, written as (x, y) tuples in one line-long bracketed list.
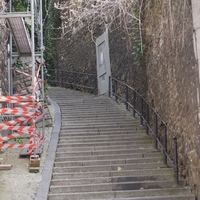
[(103, 153)]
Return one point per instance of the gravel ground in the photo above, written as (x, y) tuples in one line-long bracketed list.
[(18, 183)]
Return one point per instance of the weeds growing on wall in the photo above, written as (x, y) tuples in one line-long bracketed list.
[(51, 32), (19, 5), (137, 39)]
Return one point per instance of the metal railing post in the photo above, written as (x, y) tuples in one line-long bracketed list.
[(61, 78), (109, 87), (156, 131), (147, 118), (134, 101), (57, 77), (176, 160), (141, 110), (115, 82), (165, 144), (126, 96), (74, 81), (94, 85)]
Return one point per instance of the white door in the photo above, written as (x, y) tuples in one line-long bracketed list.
[(103, 63)]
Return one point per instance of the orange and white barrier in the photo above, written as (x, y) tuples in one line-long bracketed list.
[(25, 112)]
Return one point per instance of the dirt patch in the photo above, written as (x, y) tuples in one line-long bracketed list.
[(18, 183)]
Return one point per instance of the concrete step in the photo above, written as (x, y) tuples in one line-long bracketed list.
[(122, 172), (104, 141), (114, 130), (113, 167), (95, 180), (100, 123), (97, 111), (107, 162), (106, 137), (110, 127), (140, 185), (98, 117), (74, 196), (119, 119), (101, 145), (92, 132), (110, 157), (103, 152), (108, 147)]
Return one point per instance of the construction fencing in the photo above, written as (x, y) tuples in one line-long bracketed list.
[(22, 114)]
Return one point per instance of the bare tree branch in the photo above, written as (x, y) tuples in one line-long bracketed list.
[(75, 13)]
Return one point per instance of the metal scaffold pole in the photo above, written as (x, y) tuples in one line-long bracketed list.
[(42, 60), (10, 90), (25, 103), (33, 44)]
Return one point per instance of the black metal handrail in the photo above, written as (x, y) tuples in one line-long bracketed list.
[(72, 79), (149, 117)]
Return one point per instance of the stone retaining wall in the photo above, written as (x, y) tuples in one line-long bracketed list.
[(173, 79), (3, 57)]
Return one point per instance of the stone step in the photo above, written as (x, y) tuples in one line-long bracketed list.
[(98, 117), (94, 180), (110, 119), (104, 152), (122, 172), (113, 167), (108, 147), (94, 108), (113, 129), (79, 196), (92, 132), (103, 141), (96, 126), (140, 185), (108, 157), (102, 144), (91, 113), (107, 162), (100, 123), (107, 137), (90, 105)]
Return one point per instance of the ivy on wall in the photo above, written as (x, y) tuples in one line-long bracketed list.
[(51, 32), (19, 5)]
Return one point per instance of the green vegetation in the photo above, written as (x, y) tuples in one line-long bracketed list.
[(18, 64), (138, 46), (19, 141), (19, 5), (51, 32)]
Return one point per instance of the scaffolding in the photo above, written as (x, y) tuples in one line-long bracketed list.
[(23, 111)]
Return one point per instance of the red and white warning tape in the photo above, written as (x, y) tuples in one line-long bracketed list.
[(12, 146), (29, 110)]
